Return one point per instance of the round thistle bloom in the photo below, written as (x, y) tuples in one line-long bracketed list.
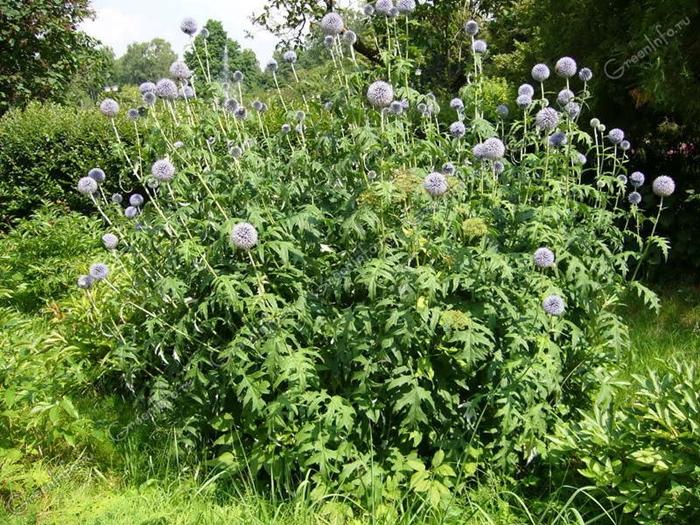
[(380, 94), (585, 74), (479, 46), (634, 198), (87, 185), (663, 186), (573, 109), (241, 113), (238, 76), (136, 200), (117, 198), (448, 168), (109, 107), (166, 88), (472, 27), (236, 152), (498, 167), (286, 128), (547, 119), (406, 6), (133, 114), (595, 123), (332, 24), (622, 178), (290, 57), (350, 37), (457, 104), (457, 130), (163, 170), (368, 10), (99, 271), (147, 87), (231, 105), (97, 174), (554, 305), (566, 67), (493, 149), (300, 116), (85, 282), (244, 236), (271, 66), (187, 92), (189, 26), (131, 212), (602, 128), (396, 107), (384, 7), (328, 40), (558, 139), (526, 89), (478, 151), (393, 12), (502, 111), (616, 136), (204, 32), (637, 179), (435, 184), (257, 105), (110, 241), (625, 145), (580, 159), (180, 70), (565, 96), (149, 98), (524, 101), (543, 257), (540, 73)]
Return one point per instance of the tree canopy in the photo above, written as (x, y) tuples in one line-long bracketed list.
[(145, 61)]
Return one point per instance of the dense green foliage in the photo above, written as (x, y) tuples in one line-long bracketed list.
[(41, 49), (144, 61), (46, 146)]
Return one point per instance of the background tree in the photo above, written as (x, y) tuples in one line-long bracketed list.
[(89, 82), (41, 48), (144, 61)]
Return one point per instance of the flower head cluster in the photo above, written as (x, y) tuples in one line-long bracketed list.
[(663, 186), (167, 89), (616, 136), (87, 185), (472, 27), (163, 170), (540, 73), (110, 241), (524, 101), (189, 26), (133, 114), (566, 67), (368, 10), (271, 65), (384, 7), (350, 37), (85, 282), (99, 271), (492, 149), (526, 89), (479, 47), (435, 184), (117, 198), (457, 129), (448, 168), (558, 139), (136, 200), (109, 107), (406, 6), (380, 94), (149, 98), (544, 258), (637, 179), (238, 76), (565, 96), (244, 236), (547, 119), (554, 305), (231, 105), (457, 104), (573, 109), (180, 71), (502, 111), (634, 198), (97, 174), (131, 212), (332, 24), (147, 87), (290, 57), (585, 74)]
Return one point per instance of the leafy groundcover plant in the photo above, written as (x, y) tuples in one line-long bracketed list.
[(336, 286)]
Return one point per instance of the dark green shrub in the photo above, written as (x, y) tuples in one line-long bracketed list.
[(46, 148)]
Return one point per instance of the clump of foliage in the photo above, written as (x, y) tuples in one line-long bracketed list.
[(643, 454), (337, 287)]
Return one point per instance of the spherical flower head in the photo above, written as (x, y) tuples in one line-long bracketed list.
[(547, 119), (332, 24), (384, 7), (136, 199), (131, 212), (602, 128), (271, 65), (117, 198), (290, 57), (109, 107), (663, 186), (204, 32), (637, 179), (133, 114), (406, 6), (110, 241), (286, 128), (149, 99), (257, 105), (350, 37), (393, 12), (472, 27), (540, 73), (493, 149), (502, 111), (458, 129), (167, 89), (479, 46), (580, 159), (405, 104), (368, 10), (396, 107), (524, 101), (573, 109), (554, 305), (97, 174), (241, 113), (543, 257), (595, 122), (457, 104), (634, 198), (565, 96), (585, 74), (622, 179), (300, 116), (448, 168), (526, 89), (244, 236), (380, 94), (328, 41), (558, 139), (231, 105), (189, 26), (498, 167), (87, 185), (99, 271), (238, 76), (616, 136), (236, 152), (180, 71), (85, 282), (566, 67), (435, 184), (625, 145), (163, 170), (478, 151), (147, 87)]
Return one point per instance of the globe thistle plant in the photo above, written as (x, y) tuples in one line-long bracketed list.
[(435, 184), (271, 66), (566, 67), (231, 105), (368, 10), (458, 130), (457, 104), (585, 74), (332, 24), (163, 170), (166, 89), (637, 179), (498, 167), (544, 258), (384, 7), (85, 282), (149, 98), (502, 111), (406, 6), (133, 114), (147, 87), (238, 76), (663, 186), (526, 89), (244, 236), (350, 37), (547, 119), (471, 27), (110, 241), (554, 305), (117, 198), (180, 71), (136, 200), (329, 41), (625, 145), (479, 47), (616, 136), (380, 94), (524, 101), (634, 198), (188, 26), (97, 174), (290, 56), (448, 168), (131, 212), (573, 110), (565, 96), (87, 186), (558, 139), (493, 149), (109, 108), (99, 271), (540, 73)]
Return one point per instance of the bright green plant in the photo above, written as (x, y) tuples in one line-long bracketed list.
[(643, 455), (370, 336)]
